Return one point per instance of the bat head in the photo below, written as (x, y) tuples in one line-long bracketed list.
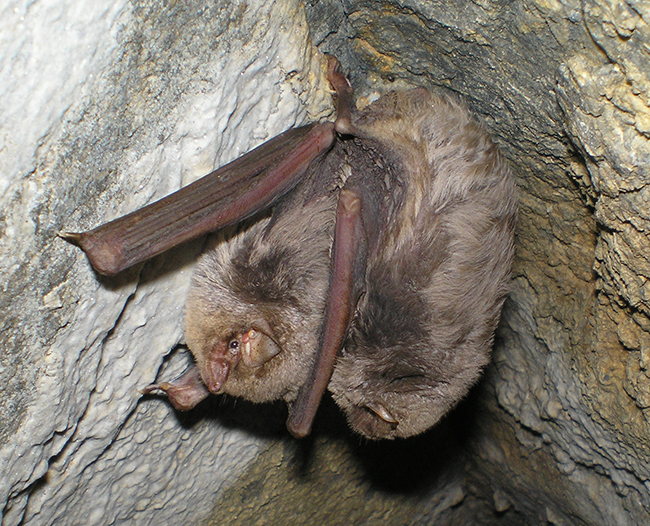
[(252, 315), (387, 394), (221, 342)]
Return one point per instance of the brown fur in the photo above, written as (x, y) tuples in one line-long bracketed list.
[(423, 331), (276, 270), (436, 276)]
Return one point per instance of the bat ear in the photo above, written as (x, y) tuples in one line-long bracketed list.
[(259, 345), (383, 413)]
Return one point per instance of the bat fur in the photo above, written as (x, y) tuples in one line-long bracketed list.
[(434, 288), (428, 279)]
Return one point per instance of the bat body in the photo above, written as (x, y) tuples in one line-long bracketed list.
[(271, 278), (423, 330), (383, 265)]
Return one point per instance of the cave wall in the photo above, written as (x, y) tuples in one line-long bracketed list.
[(111, 107)]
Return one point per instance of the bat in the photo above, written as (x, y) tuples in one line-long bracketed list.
[(437, 278), (373, 258)]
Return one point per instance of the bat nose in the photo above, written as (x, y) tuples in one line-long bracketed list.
[(217, 374)]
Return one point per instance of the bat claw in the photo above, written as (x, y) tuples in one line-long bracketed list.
[(350, 202), (382, 412), (71, 237), (344, 93), (184, 393), (149, 389)]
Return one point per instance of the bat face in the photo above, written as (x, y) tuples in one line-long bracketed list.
[(255, 304)]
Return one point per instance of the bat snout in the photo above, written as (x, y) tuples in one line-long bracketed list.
[(224, 357), (215, 375)]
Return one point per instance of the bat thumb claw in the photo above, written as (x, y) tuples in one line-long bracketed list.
[(382, 413), (149, 389)]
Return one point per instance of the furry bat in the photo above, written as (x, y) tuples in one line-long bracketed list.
[(434, 287), (383, 266)]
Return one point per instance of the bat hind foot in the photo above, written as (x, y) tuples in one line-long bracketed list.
[(185, 392)]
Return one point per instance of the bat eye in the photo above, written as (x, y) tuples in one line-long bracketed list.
[(233, 345)]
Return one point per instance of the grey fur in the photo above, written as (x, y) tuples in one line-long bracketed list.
[(436, 276), (277, 271), (423, 330)]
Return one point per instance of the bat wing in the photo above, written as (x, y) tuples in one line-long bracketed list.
[(360, 217), (228, 195), (348, 255)]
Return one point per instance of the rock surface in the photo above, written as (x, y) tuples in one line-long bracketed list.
[(111, 106)]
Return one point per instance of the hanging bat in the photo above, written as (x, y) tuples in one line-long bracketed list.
[(383, 265), (423, 330)]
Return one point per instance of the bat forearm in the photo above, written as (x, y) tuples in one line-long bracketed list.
[(347, 242), (225, 196)]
